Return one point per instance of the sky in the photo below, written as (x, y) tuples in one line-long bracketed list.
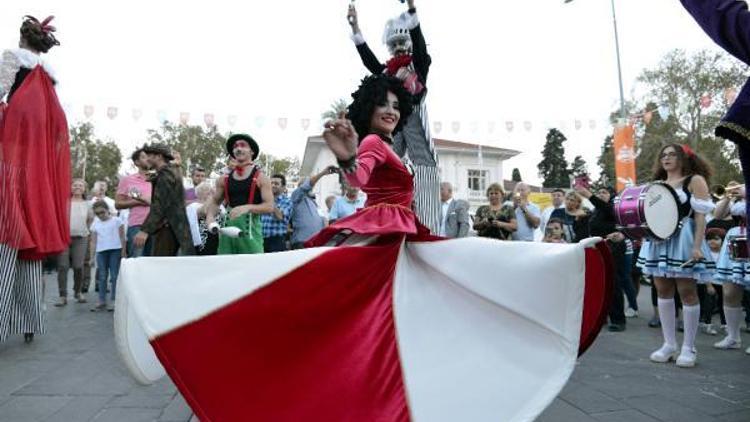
[(493, 62)]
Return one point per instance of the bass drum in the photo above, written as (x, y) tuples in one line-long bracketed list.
[(648, 211)]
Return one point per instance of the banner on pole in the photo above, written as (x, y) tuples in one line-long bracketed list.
[(624, 147)]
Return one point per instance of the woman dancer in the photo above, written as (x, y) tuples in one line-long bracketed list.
[(34, 179), (351, 332), (684, 259)]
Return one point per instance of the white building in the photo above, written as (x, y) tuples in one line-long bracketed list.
[(470, 168)]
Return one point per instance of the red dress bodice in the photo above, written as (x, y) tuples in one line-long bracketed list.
[(390, 190)]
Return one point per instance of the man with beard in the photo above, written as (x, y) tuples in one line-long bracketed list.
[(167, 220), (410, 63), (134, 194), (246, 192)]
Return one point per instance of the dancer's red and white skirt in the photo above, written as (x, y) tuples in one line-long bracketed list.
[(468, 329)]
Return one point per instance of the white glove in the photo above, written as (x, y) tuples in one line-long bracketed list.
[(214, 228), (232, 232)]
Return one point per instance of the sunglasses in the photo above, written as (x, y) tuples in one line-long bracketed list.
[(667, 154)]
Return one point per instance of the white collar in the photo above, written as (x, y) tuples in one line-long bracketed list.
[(30, 60)]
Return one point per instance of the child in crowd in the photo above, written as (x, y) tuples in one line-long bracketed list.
[(553, 232), (710, 294), (108, 240)]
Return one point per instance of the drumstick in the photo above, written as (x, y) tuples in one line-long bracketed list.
[(688, 262)]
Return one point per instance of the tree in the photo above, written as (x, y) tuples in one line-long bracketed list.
[(516, 175), (335, 109), (554, 168), (679, 82), (197, 145), (606, 162), (288, 166), (578, 167), (93, 159)]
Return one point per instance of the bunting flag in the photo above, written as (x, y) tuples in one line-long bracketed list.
[(663, 111), (259, 121), (136, 114), (491, 126), (527, 125), (161, 116), (455, 126), (282, 122), (231, 120), (305, 123), (592, 124), (112, 112), (509, 126), (474, 127), (706, 101), (437, 127), (88, 111), (184, 118), (578, 124), (208, 119)]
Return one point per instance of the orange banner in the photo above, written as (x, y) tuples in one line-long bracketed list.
[(624, 156)]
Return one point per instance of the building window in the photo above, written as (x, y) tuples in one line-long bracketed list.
[(477, 180)]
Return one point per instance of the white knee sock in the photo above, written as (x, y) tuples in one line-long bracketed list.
[(690, 318), (667, 318), (733, 316)]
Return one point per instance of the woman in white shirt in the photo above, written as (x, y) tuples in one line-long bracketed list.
[(80, 219)]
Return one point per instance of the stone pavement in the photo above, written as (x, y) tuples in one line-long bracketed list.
[(73, 374)]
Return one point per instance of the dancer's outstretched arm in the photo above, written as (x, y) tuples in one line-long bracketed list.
[(422, 59), (727, 22), (369, 59)]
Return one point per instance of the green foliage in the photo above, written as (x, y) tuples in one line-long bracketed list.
[(334, 110), (288, 166), (93, 159), (516, 175), (554, 168), (606, 162), (679, 82), (196, 144)]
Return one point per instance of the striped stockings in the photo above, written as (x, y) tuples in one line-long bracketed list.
[(21, 295)]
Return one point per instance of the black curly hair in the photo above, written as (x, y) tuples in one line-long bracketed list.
[(35, 36), (373, 91)]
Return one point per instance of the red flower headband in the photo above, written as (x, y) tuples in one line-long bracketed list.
[(688, 151)]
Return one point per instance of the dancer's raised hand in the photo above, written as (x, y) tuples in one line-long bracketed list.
[(341, 137), (351, 16)]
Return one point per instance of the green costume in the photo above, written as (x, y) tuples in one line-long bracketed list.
[(251, 242)]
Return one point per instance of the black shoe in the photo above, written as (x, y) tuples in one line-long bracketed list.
[(680, 326), (28, 337), (654, 322), (616, 328)]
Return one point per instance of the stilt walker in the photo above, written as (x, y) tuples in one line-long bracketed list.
[(34, 179), (410, 63)]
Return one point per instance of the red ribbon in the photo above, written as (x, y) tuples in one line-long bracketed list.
[(44, 25), (688, 151)]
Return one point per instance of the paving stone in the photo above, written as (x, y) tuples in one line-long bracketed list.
[(177, 411), (742, 416), (31, 408), (119, 414), (590, 400), (80, 409), (663, 408), (142, 399), (710, 404), (561, 411), (624, 416)]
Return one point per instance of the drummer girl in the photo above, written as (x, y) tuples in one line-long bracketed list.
[(684, 259), (732, 273)]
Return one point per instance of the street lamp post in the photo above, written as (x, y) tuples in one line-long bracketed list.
[(619, 66)]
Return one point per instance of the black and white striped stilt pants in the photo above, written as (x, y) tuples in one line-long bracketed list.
[(21, 295)]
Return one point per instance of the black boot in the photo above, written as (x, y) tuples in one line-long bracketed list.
[(28, 337)]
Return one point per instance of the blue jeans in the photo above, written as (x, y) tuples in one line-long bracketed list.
[(134, 252), (623, 277), (107, 262)]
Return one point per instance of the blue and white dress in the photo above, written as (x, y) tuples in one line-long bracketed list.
[(727, 269), (665, 258)]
